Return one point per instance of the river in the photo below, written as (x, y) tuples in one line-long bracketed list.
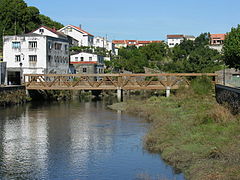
[(75, 141)]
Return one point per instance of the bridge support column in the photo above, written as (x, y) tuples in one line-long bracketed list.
[(119, 94), (168, 91)]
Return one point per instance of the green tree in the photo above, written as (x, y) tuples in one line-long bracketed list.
[(17, 18), (231, 48), (47, 21)]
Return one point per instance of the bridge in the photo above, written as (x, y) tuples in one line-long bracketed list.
[(119, 82)]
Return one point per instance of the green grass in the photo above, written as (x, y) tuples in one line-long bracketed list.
[(193, 133)]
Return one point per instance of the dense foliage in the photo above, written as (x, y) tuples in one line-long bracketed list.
[(189, 56), (18, 18), (231, 48)]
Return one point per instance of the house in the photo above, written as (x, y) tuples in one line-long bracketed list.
[(176, 39), (217, 39), (145, 43), (104, 43), (43, 51), (87, 63), (119, 43), (84, 38), (126, 43)]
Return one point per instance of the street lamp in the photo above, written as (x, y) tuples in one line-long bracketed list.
[(21, 70)]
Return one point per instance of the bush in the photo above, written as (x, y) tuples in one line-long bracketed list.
[(201, 85)]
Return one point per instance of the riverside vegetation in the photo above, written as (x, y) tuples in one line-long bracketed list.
[(192, 132)]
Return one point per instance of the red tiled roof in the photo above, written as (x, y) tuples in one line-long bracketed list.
[(218, 36), (78, 28), (136, 42), (175, 36), (118, 41)]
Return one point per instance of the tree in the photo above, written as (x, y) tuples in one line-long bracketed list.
[(231, 48), (47, 21), (17, 18)]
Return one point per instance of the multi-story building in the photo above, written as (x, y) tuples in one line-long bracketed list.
[(84, 38), (104, 43), (87, 63), (217, 39), (173, 40), (42, 51)]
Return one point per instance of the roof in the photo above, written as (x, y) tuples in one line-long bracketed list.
[(118, 41), (218, 36), (49, 29), (175, 36), (81, 30), (137, 42), (148, 42), (84, 62)]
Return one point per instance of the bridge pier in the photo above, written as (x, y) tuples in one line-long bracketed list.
[(119, 94), (168, 91)]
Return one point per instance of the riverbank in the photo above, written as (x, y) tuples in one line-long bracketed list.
[(12, 95), (192, 133)]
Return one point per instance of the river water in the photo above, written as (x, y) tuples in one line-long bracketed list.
[(75, 141)]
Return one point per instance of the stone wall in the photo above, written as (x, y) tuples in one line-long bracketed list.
[(228, 96), (11, 95)]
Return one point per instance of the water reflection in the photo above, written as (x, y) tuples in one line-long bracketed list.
[(74, 141)]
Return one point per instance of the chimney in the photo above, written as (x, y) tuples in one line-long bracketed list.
[(80, 26)]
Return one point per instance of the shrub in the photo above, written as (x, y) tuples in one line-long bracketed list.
[(201, 85)]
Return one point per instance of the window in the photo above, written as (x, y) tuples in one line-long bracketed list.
[(76, 58), (82, 58), (32, 44), (58, 46), (49, 58), (32, 58), (66, 48), (98, 40), (49, 45), (41, 30), (84, 70), (90, 58), (17, 58), (16, 45)]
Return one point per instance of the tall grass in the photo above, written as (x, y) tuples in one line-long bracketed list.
[(192, 132)]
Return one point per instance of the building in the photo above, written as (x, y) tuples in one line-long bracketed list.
[(217, 39), (104, 43), (126, 43), (84, 38), (87, 63), (145, 43), (173, 40), (43, 51)]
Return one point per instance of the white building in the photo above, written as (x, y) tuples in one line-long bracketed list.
[(173, 40), (84, 38), (88, 63), (42, 51), (104, 43)]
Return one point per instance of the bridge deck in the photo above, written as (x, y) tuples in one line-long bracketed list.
[(109, 81)]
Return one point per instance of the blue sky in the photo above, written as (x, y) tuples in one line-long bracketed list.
[(143, 19)]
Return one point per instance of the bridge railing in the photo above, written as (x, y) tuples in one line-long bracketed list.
[(110, 81)]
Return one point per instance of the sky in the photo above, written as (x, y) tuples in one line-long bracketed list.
[(143, 19)]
